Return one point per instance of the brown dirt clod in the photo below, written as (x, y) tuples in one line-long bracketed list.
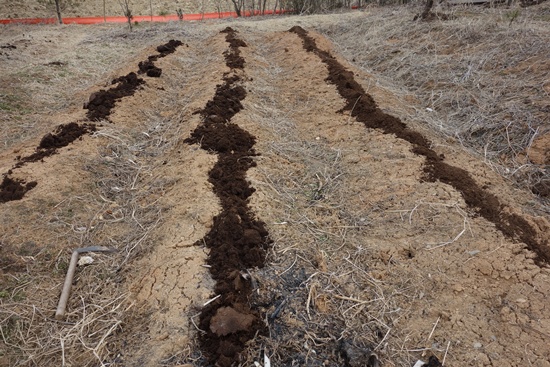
[(229, 321), (14, 189)]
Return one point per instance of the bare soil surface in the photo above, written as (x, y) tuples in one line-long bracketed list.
[(267, 197)]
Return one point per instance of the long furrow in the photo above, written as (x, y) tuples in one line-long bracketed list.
[(369, 252), (237, 240), (99, 106), (363, 107)]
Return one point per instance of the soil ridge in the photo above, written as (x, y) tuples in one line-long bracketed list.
[(363, 107), (237, 240), (99, 107)]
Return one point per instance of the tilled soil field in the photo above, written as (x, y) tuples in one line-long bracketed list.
[(265, 202)]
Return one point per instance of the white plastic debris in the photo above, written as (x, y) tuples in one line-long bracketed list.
[(85, 260), (429, 109), (267, 362), (419, 363)]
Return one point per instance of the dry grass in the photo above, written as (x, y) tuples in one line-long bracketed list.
[(120, 209), (319, 294), (32, 88), (74, 8), (330, 298), (321, 297), (483, 78), (325, 301), (341, 282), (121, 214)]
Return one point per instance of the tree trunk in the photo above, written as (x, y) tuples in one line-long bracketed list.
[(125, 5), (427, 9), (58, 9), (237, 8)]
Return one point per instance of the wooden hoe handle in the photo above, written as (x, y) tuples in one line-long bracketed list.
[(62, 305)]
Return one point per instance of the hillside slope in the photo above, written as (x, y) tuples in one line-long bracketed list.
[(266, 192)]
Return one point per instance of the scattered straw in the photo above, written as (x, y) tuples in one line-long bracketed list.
[(481, 79)]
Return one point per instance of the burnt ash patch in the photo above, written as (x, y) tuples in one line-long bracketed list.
[(542, 189), (237, 240), (14, 189), (101, 103), (364, 109)]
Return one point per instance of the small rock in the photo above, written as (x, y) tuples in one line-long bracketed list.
[(85, 260)]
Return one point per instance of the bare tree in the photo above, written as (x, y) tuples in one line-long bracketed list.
[(58, 10), (179, 12), (125, 5), (427, 9), (238, 5), (219, 8)]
